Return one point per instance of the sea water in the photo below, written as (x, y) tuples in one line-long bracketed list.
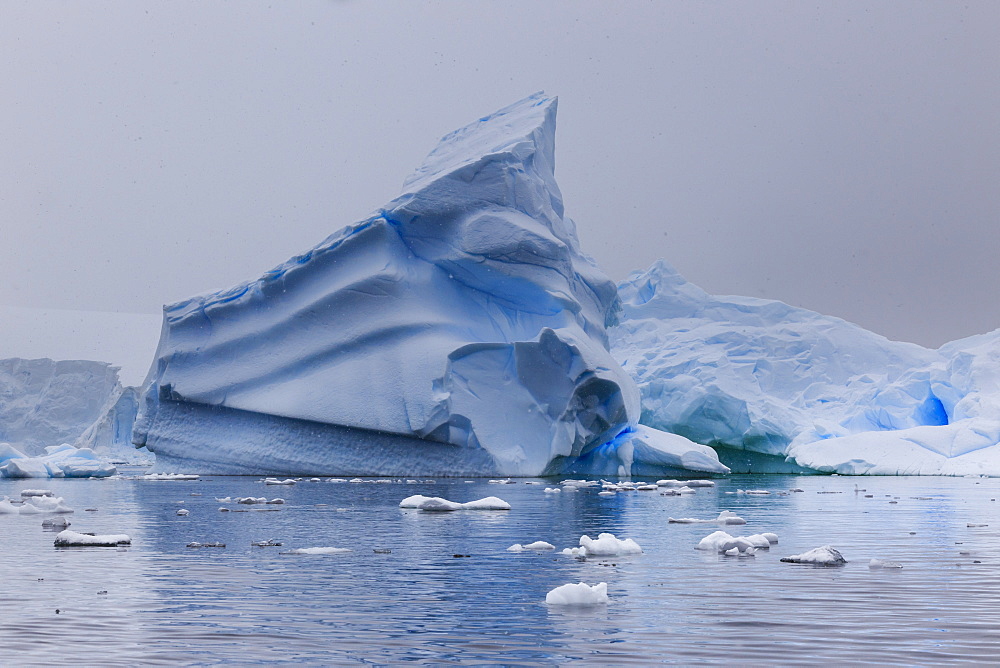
[(442, 587)]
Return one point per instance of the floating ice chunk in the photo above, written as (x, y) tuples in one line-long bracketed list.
[(580, 483), (736, 552), (29, 509), (275, 502), (58, 505), (552, 490), (580, 594), (575, 551), (413, 501), (720, 541), (266, 543), (196, 544), (700, 483), (685, 490), (317, 550), (488, 503), (646, 488), (225, 499), (607, 545), (251, 500), (826, 555), (36, 492), (183, 511), (55, 523), (882, 563), (772, 538), (437, 505), (505, 481), (70, 538), (286, 481), (538, 545), (8, 508), (606, 492), (725, 517), (170, 476)]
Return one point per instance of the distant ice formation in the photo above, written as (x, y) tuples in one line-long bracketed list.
[(76, 402), (58, 461), (458, 331), (774, 388)]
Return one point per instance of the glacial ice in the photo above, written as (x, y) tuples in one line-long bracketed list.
[(458, 331), (78, 402), (826, 555), (775, 388), (69, 538), (59, 461), (580, 594)]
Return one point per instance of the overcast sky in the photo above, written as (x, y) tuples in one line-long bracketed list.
[(841, 156)]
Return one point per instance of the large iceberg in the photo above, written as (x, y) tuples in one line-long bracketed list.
[(457, 331), (774, 388)]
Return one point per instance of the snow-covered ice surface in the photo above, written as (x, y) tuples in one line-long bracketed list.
[(442, 587), (775, 388), (69, 538), (827, 555), (459, 331)]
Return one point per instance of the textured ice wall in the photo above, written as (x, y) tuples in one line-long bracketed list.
[(79, 402), (457, 330), (761, 380)]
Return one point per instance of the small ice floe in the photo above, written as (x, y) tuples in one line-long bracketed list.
[(735, 552), (753, 492), (183, 511), (225, 499), (345, 480), (170, 476), (55, 523), (606, 492), (316, 550), (725, 517), (721, 542), (313, 479), (266, 543), (8, 508), (286, 481), (701, 483), (69, 538), (526, 482), (552, 490), (580, 594), (29, 509), (670, 483), (437, 504), (36, 492), (538, 545), (251, 500), (505, 481), (646, 488), (605, 545), (820, 556), (37, 505), (972, 525), (579, 483), (685, 490), (882, 563), (194, 545)]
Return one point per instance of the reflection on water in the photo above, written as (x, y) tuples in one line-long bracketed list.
[(166, 603)]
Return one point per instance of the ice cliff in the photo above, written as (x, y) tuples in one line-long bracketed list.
[(457, 331), (777, 388), (82, 403)]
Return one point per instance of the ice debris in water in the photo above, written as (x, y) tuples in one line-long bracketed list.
[(59, 461), (276, 481), (685, 483), (723, 543), (826, 555), (55, 523), (183, 511), (436, 503), (317, 550), (605, 545), (36, 492), (580, 594), (170, 476), (725, 517), (37, 505), (70, 538), (552, 490), (538, 545), (882, 563)]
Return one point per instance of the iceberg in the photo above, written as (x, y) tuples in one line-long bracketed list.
[(457, 331), (775, 388), (59, 461), (77, 402)]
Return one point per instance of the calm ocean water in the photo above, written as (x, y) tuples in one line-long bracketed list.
[(159, 602)]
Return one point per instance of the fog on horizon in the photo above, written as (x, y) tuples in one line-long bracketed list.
[(843, 157)]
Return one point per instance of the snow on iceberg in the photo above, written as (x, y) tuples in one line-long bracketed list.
[(458, 331), (775, 388), (820, 556), (59, 461), (68, 538)]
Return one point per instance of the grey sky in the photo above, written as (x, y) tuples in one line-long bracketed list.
[(840, 156)]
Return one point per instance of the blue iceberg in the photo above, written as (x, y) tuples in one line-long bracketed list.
[(457, 331)]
